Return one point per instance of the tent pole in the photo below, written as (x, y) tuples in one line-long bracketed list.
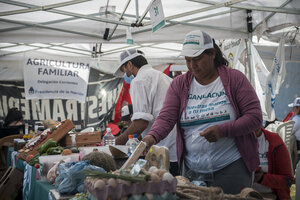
[(249, 53), (137, 10)]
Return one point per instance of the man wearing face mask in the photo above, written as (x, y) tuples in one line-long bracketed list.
[(147, 91)]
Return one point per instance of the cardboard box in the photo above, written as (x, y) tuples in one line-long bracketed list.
[(10, 183), (84, 139), (58, 134)]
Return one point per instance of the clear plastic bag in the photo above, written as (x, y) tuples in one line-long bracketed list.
[(201, 171)]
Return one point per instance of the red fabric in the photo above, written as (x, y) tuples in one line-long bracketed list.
[(279, 176), (167, 70), (124, 99), (288, 117), (114, 128)]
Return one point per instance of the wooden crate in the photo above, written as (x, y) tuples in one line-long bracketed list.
[(84, 139), (56, 135)]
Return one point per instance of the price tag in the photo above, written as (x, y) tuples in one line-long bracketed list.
[(157, 15)]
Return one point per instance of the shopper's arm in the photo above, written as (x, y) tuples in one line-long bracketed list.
[(282, 165)]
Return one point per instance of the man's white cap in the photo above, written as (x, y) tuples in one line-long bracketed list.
[(295, 103), (125, 56), (195, 42)]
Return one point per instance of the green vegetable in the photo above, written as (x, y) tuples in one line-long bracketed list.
[(98, 174), (50, 143), (74, 150), (54, 150)]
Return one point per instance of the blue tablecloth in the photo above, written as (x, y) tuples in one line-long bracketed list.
[(32, 189), (42, 189)]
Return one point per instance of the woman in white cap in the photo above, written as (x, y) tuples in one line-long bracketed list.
[(296, 129), (217, 111)]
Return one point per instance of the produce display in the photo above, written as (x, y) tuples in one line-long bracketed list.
[(34, 145)]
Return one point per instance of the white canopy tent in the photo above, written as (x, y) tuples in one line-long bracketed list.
[(75, 27), (96, 29)]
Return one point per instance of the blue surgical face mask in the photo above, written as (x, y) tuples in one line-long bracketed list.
[(128, 79)]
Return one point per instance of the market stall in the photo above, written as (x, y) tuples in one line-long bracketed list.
[(51, 171)]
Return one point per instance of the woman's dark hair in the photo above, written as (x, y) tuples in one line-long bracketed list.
[(220, 58), (13, 115), (138, 61)]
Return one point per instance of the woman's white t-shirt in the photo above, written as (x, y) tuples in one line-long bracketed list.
[(207, 105)]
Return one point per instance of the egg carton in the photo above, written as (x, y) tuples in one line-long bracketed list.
[(122, 190)]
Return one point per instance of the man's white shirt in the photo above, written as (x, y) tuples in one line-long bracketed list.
[(147, 91)]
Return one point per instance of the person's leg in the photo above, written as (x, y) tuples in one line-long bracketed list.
[(233, 178)]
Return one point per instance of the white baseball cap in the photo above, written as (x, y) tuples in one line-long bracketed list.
[(125, 56), (295, 103), (195, 42)]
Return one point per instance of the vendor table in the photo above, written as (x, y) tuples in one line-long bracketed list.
[(42, 189), (32, 189)]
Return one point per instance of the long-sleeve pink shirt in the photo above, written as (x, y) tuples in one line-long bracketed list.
[(242, 97)]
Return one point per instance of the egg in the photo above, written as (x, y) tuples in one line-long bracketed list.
[(161, 172), (112, 182), (154, 177), (149, 196), (168, 177), (99, 184), (120, 181), (152, 169)]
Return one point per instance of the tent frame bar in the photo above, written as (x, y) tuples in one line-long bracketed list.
[(99, 19), (121, 17), (219, 5), (41, 8), (51, 28), (256, 8), (272, 14), (43, 23)]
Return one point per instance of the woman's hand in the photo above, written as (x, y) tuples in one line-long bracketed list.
[(211, 134), (259, 174), (149, 140)]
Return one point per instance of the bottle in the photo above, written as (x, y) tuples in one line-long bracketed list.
[(26, 128), (131, 144), (109, 138), (136, 138)]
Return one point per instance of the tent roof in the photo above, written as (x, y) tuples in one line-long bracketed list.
[(77, 27)]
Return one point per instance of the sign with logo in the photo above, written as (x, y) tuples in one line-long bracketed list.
[(98, 109), (47, 77), (235, 51), (157, 15)]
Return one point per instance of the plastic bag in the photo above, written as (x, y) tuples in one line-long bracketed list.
[(71, 178)]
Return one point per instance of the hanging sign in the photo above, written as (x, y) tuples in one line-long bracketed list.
[(157, 15), (55, 77)]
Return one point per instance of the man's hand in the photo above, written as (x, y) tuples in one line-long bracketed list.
[(211, 134), (150, 140)]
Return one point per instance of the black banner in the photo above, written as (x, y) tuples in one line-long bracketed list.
[(97, 111)]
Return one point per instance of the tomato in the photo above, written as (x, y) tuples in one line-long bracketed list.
[(37, 165), (29, 157)]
